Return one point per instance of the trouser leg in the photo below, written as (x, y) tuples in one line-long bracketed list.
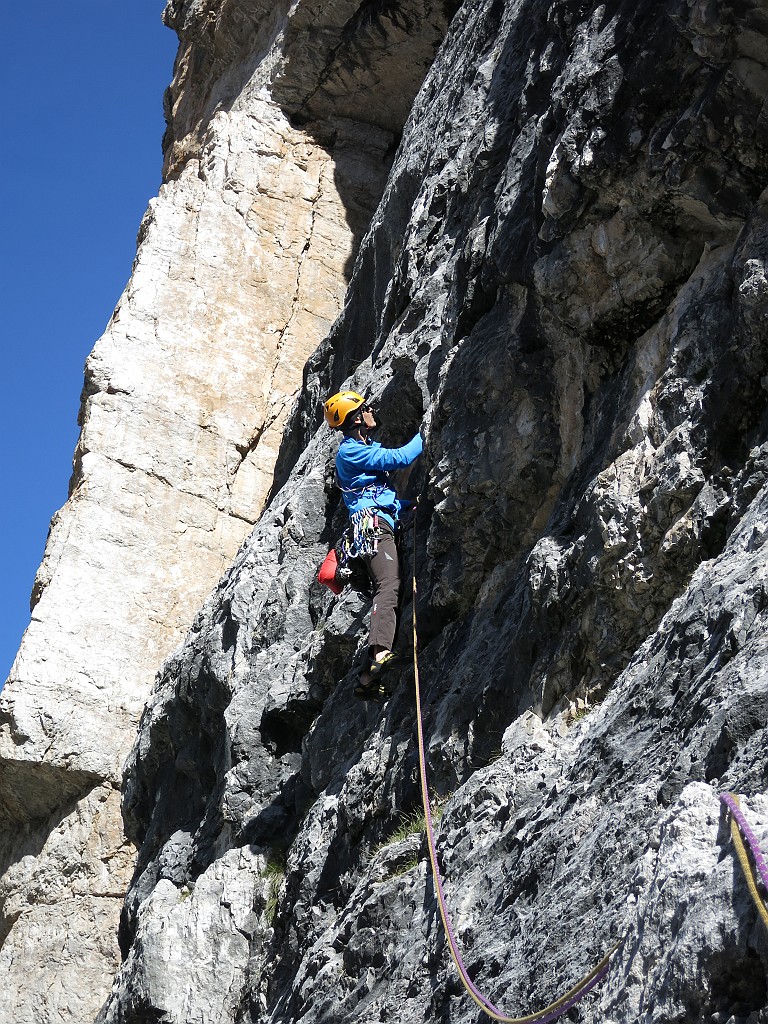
[(384, 569)]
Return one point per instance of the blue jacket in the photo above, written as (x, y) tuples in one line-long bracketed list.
[(363, 469)]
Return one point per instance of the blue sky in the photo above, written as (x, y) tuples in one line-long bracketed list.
[(82, 85)]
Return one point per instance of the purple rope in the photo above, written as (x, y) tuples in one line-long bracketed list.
[(749, 835)]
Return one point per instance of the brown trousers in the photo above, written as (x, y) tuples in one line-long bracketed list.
[(384, 570)]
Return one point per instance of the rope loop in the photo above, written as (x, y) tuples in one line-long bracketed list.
[(573, 995)]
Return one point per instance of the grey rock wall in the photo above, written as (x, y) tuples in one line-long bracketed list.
[(565, 284)]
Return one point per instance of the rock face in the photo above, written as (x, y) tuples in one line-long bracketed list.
[(565, 285), (242, 264)]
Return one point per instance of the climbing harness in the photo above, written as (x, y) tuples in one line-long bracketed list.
[(580, 989), (740, 827), (360, 539), (373, 490)]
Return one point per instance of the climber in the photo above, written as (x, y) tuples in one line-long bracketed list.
[(362, 466)]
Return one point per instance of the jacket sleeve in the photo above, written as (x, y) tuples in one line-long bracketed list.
[(364, 457)]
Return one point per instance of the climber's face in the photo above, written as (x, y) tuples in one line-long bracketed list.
[(362, 422)]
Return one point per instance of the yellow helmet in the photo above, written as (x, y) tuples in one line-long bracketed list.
[(339, 406)]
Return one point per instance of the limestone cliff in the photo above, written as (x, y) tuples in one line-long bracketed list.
[(564, 284)]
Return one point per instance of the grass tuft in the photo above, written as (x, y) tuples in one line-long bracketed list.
[(410, 825), (414, 823), (274, 873)]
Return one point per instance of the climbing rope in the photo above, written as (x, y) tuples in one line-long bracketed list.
[(739, 827), (580, 989)]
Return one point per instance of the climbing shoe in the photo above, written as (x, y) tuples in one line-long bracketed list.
[(378, 668), (370, 691)]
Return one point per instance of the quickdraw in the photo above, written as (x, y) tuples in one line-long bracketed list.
[(582, 987), (361, 537)]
